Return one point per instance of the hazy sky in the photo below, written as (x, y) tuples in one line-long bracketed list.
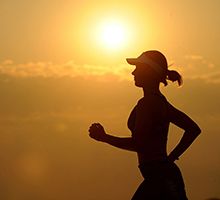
[(57, 76)]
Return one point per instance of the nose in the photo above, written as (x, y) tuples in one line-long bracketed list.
[(133, 73)]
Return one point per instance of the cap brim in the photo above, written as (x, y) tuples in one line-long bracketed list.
[(132, 61)]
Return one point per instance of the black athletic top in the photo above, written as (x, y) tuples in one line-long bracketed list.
[(151, 142)]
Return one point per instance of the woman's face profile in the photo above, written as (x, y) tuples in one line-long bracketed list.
[(143, 75)]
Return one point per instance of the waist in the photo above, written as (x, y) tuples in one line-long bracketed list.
[(159, 169), (144, 158), (153, 163)]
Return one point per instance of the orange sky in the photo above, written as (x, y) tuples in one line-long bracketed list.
[(57, 78)]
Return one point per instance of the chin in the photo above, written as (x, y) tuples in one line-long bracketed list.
[(138, 84)]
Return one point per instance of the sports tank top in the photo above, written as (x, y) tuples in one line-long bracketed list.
[(154, 149)]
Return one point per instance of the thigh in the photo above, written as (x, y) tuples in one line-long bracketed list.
[(163, 181), (173, 184), (147, 190), (172, 191)]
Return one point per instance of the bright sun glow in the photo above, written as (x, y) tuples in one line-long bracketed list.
[(112, 35)]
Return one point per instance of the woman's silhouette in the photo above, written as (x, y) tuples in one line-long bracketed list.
[(149, 123)]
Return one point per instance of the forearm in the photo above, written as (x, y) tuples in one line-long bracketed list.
[(97, 132), (184, 143), (125, 143)]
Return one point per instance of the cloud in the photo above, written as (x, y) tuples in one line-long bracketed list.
[(7, 62), (201, 68), (213, 77), (193, 67), (193, 57), (68, 69)]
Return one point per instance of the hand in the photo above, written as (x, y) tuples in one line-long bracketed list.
[(97, 132), (170, 158)]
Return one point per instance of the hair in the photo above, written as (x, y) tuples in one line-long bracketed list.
[(161, 60), (173, 76)]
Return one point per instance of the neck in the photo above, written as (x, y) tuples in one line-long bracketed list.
[(151, 90)]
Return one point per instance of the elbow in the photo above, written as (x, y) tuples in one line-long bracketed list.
[(193, 130), (196, 130), (199, 131)]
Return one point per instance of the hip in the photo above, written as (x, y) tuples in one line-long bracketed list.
[(160, 169)]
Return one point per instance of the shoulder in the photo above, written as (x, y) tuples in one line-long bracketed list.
[(145, 103), (152, 104)]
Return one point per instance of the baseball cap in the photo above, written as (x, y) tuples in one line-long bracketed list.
[(154, 59)]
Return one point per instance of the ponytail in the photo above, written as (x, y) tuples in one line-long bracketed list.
[(173, 76)]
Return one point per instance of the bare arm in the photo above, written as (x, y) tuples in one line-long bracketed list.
[(191, 131), (98, 133)]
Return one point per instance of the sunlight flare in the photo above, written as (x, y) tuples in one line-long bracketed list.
[(112, 35)]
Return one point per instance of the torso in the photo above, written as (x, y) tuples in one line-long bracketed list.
[(155, 137)]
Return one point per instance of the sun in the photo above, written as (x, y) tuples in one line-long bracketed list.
[(112, 35)]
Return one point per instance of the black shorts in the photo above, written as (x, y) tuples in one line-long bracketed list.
[(162, 181)]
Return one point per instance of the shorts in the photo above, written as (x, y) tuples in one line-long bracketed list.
[(162, 181)]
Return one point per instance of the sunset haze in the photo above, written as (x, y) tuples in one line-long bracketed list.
[(59, 73)]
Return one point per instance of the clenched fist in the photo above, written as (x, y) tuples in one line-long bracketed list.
[(97, 132)]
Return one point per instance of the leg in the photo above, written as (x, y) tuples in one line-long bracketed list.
[(173, 191), (174, 188), (147, 191), (163, 181)]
